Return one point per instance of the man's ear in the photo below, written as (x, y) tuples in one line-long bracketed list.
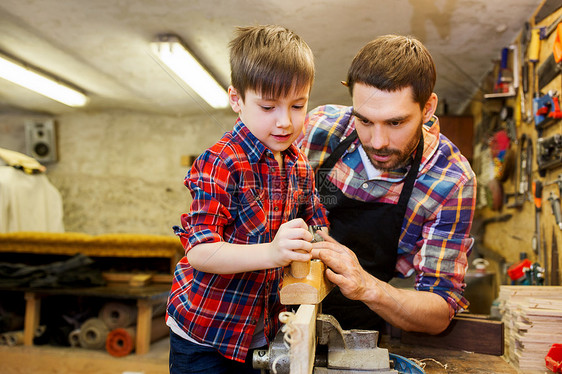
[(429, 108), (234, 99)]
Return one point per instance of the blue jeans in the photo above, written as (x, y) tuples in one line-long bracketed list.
[(188, 357)]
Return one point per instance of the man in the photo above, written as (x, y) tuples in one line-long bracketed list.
[(400, 195)]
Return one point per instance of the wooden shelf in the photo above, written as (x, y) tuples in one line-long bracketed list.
[(146, 297)]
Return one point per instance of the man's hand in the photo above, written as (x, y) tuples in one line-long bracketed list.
[(344, 269), (406, 309)]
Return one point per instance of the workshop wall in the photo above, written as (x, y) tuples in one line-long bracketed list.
[(121, 171), (505, 219)]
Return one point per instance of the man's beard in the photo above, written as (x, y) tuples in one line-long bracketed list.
[(399, 158)]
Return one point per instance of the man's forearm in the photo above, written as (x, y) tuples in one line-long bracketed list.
[(409, 310)]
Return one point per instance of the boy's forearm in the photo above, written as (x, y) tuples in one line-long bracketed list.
[(228, 258)]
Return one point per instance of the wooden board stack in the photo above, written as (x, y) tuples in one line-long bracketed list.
[(532, 317)]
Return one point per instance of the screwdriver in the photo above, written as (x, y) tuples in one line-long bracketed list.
[(525, 89), (555, 204), (555, 201), (537, 192)]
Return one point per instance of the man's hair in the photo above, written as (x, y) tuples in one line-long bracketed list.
[(270, 60), (392, 62)]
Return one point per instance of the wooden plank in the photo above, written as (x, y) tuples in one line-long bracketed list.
[(523, 292), (311, 289), (541, 312), (464, 333), (126, 277), (545, 303), (532, 319), (303, 346), (140, 280)]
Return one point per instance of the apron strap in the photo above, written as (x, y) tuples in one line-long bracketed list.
[(411, 176), (339, 151)]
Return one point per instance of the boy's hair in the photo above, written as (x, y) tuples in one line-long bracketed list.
[(270, 60), (392, 62)]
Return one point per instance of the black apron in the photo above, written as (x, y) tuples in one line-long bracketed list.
[(370, 229)]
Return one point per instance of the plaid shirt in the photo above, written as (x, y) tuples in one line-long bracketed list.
[(239, 196), (435, 241)]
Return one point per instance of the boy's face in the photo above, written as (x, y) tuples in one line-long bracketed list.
[(276, 122)]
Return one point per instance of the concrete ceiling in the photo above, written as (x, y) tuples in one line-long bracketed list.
[(102, 47)]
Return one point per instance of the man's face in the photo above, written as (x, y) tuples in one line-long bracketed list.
[(389, 124)]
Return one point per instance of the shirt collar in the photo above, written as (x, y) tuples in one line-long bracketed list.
[(253, 147)]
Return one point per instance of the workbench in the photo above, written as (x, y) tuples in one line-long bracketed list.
[(146, 297), (125, 246), (457, 361)]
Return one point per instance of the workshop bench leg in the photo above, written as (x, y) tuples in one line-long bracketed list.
[(144, 326), (32, 314)]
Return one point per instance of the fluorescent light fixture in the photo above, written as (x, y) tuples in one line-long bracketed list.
[(172, 52), (24, 76)]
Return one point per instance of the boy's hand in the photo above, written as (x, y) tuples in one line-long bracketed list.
[(292, 237)]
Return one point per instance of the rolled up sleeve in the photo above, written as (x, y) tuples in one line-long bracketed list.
[(442, 261), (209, 182)]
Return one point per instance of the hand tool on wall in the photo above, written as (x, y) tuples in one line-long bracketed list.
[(537, 193), (506, 115), (553, 359), (525, 116), (554, 269), (555, 205), (535, 275), (549, 153), (524, 43), (552, 66), (546, 110), (526, 273), (547, 30), (522, 180), (534, 55), (546, 8), (544, 256), (557, 181), (516, 272)]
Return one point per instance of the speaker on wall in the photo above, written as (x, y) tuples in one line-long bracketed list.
[(41, 140)]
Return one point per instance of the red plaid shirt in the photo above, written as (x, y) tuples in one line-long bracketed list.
[(239, 196)]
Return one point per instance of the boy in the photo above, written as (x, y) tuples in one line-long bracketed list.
[(253, 197)]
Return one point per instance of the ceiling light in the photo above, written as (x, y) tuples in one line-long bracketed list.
[(172, 52), (39, 82)]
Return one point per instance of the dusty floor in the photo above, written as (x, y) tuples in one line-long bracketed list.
[(51, 360)]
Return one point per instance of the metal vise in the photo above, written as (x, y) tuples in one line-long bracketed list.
[(338, 351)]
